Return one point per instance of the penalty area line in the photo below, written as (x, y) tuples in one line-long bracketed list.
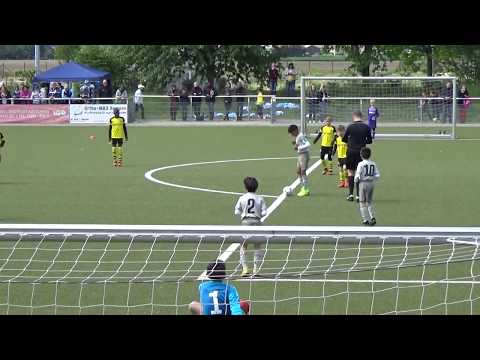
[(278, 201)]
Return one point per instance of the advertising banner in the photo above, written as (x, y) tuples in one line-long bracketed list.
[(34, 114), (95, 113)]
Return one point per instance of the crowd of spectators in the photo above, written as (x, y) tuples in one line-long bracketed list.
[(59, 93), (436, 104), (233, 99)]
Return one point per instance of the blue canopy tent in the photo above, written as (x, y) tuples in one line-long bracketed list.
[(71, 72)]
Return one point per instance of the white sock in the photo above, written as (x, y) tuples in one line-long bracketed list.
[(304, 180), (364, 213), (371, 211), (258, 256), (243, 261)]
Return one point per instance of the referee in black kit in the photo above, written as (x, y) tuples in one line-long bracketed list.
[(357, 136)]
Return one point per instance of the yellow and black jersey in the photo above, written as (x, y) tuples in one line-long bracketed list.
[(118, 130), (327, 133), (341, 147)]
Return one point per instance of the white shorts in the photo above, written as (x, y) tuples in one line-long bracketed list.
[(302, 162), (365, 191)]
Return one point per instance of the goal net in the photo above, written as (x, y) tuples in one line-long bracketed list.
[(113, 269), (409, 107)]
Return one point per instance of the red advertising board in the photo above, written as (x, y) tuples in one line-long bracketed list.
[(35, 114)]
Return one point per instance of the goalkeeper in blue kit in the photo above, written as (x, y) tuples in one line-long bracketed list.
[(218, 297)]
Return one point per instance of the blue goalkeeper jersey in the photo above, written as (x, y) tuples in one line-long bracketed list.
[(219, 298)]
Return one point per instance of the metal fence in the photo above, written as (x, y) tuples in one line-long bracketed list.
[(423, 111)]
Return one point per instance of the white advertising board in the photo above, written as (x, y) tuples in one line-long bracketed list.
[(95, 113)]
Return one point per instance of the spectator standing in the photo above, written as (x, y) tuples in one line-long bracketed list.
[(273, 76), (36, 95), (16, 93), (4, 94), (138, 100), (184, 102), (240, 92), (25, 94), (290, 78), (227, 100), (121, 95), (197, 101), (51, 92), (210, 97), (260, 102), (434, 105), (312, 101), (424, 108), (323, 95), (463, 103), (87, 91), (447, 95), (66, 94), (173, 93), (105, 91)]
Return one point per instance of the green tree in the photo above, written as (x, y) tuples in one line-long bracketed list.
[(159, 64), (66, 52), (364, 57), (462, 61)]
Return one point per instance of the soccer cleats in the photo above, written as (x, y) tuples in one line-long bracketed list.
[(325, 171), (373, 222), (245, 272), (341, 184), (350, 198), (303, 192)]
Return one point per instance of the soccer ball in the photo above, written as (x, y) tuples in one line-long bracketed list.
[(287, 190)]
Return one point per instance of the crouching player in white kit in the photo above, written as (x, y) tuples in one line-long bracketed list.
[(366, 175), (251, 208)]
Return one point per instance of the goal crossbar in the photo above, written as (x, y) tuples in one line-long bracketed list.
[(216, 233)]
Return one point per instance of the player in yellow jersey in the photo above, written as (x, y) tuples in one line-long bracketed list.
[(328, 134), (341, 148), (116, 133)]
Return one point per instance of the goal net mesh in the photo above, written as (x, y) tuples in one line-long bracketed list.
[(303, 272), (418, 103)]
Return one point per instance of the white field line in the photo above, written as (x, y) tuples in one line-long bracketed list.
[(343, 281), (225, 255), (149, 174), (283, 196)]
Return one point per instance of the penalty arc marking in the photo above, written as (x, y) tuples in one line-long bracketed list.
[(149, 174), (278, 198)]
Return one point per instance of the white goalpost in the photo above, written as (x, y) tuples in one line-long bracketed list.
[(409, 107), (148, 269)]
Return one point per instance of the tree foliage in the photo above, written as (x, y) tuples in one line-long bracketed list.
[(364, 57), (160, 64)]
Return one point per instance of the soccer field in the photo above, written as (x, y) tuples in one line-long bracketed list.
[(58, 175)]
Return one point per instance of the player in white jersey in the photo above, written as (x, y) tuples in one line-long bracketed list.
[(251, 208), (302, 146), (366, 175)]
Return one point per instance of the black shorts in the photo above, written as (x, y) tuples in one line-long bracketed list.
[(342, 162), (117, 142), (353, 158), (326, 151)]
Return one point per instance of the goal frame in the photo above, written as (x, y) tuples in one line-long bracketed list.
[(453, 79), (233, 233)]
